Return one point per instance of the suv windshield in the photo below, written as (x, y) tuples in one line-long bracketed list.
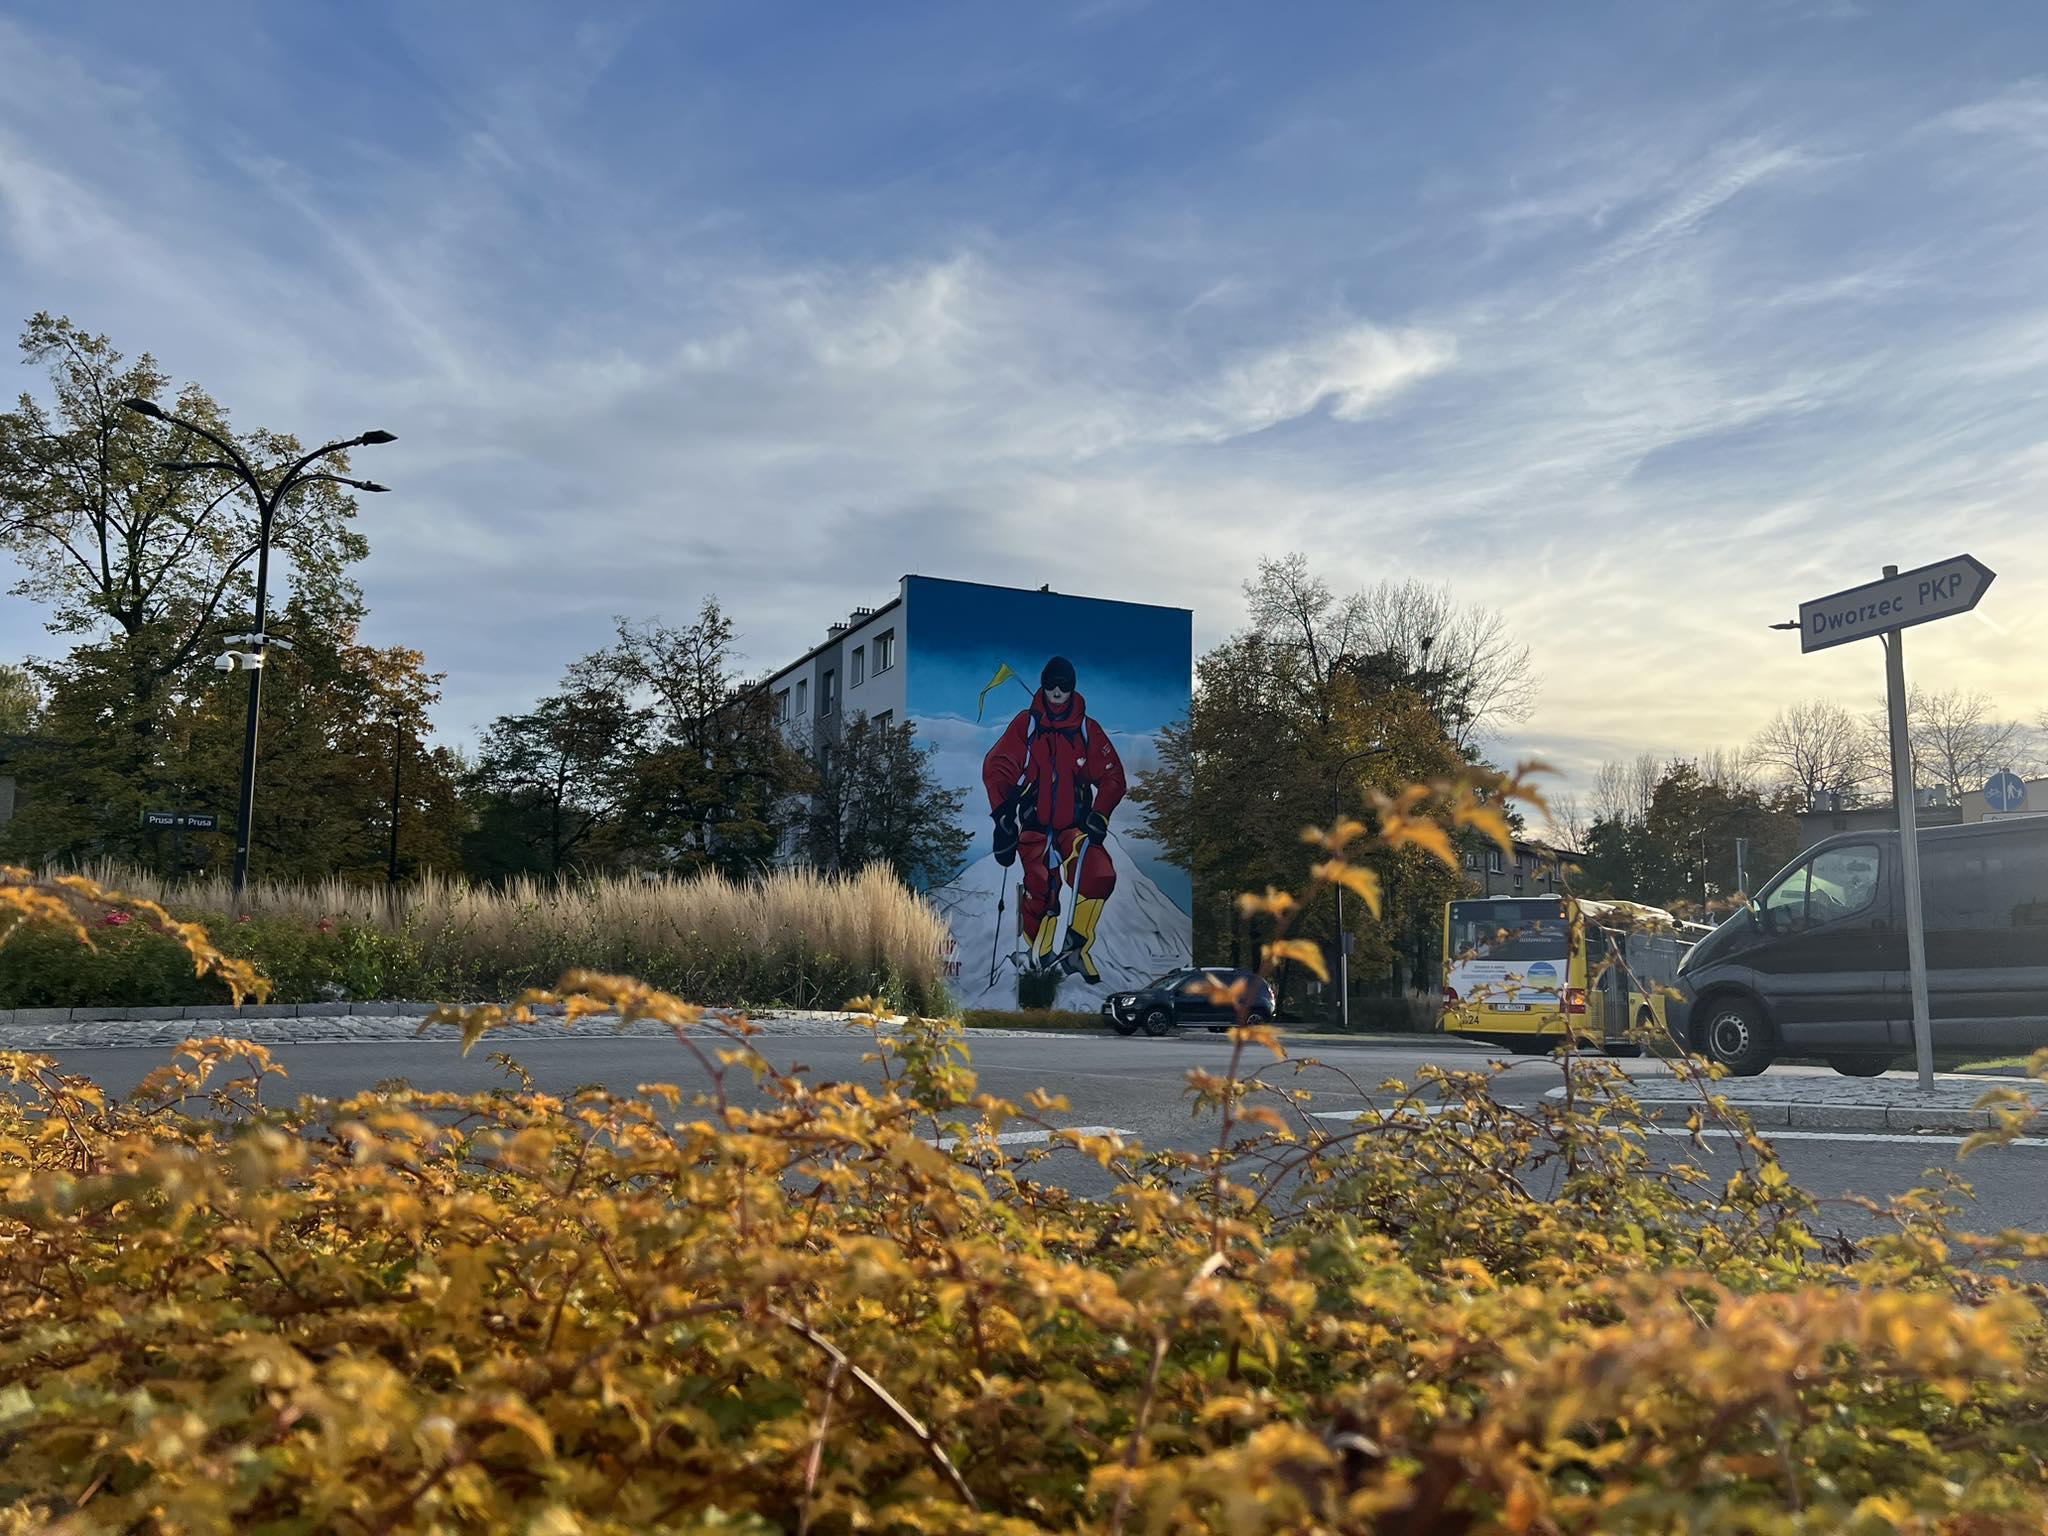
[(1170, 979)]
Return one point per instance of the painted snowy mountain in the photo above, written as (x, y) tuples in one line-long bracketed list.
[(1142, 934)]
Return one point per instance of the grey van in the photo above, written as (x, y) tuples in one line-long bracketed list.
[(1816, 964)]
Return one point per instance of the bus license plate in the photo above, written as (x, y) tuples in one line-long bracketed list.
[(1510, 1007)]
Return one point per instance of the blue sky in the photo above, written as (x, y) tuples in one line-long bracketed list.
[(1640, 322)]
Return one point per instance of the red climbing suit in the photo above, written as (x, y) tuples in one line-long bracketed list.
[(1060, 767)]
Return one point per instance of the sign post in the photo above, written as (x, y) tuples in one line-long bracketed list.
[(1905, 796), (1884, 609)]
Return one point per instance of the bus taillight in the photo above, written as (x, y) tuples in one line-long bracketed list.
[(1574, 999), (1450, 997)]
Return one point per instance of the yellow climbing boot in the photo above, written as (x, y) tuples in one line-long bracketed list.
[(1048, 930), (1081, 935)]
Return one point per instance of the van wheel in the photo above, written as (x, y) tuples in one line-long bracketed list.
[(1861, 1066), (1158, 1021), (1736, 1036)]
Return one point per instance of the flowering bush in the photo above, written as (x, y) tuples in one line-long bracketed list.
[(794, 1306)]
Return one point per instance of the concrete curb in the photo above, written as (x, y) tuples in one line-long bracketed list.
[(1793, 1114), (220, 1013)]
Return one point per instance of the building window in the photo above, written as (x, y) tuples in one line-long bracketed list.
[(828, 692), (885, 650), (885, 719), (1471, 859), (803, 698), (1493, 861), (857, 669), (781, 704)]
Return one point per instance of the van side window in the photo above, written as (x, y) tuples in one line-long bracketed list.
[(1994, 887), (1837, 884)]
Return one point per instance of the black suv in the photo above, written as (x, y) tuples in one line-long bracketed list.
[(1182, 997)]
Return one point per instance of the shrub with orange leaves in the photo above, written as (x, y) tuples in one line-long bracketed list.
[(794, 1306)]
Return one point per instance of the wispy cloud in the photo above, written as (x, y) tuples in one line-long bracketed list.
[(1639, 389)]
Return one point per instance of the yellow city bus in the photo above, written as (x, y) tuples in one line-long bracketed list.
[(1522, 972)]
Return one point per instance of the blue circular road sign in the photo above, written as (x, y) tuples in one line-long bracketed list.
[(2005, 792)]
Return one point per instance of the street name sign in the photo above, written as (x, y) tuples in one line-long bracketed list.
[(197, 821), (1936, 591), (2005, 792)]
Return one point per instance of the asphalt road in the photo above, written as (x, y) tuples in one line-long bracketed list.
[(1138, 1087)]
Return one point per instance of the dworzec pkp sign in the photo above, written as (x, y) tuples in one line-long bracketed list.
[(1936, 591)]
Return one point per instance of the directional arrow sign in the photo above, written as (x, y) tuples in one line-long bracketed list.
[(1898, 602)]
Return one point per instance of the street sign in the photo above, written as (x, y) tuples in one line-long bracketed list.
[(196, 821), (2005, 792), (1936, 591), (1881, 610)]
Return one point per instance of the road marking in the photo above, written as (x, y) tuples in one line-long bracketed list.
[(1033, 1138), (1911, 1137)]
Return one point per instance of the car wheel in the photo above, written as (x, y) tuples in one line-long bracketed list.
[(1735, 1035), (1122, 1025), (1158, 1021), (1861, 1066), (1258, 1016)]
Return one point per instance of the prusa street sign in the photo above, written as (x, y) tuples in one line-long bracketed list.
[(197, 821), (1938, 591)]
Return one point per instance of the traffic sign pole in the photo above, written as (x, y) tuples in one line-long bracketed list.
[(1885, 609), (1909, 851)]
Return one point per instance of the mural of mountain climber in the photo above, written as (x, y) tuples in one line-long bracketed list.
[(1044, 708)]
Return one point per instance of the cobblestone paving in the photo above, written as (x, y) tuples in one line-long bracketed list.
[(1894, 1090), (343, 1028), (1810, 1101)]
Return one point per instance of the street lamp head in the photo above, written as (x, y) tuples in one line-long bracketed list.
[(378, 436), (142, 407), (371, 485)]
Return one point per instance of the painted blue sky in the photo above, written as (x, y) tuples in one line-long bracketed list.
[(1132, 664), (1641, 322)]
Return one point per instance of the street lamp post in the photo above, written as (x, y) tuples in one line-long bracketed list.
[(268, 499), (1343, 938)]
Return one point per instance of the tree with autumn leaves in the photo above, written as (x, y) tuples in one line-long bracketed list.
[(1321, 706), (146, 572)]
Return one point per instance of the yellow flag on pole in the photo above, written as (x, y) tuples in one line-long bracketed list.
[(1003, 675)]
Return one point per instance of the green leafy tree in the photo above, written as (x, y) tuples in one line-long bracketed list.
[(1282, 709), (21, 701), (549, 786), (878, 801), (145, 569), (338, 716), (1680, 851), (715, 783)]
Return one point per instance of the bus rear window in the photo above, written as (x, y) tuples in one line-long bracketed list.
[(1509, 930)]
